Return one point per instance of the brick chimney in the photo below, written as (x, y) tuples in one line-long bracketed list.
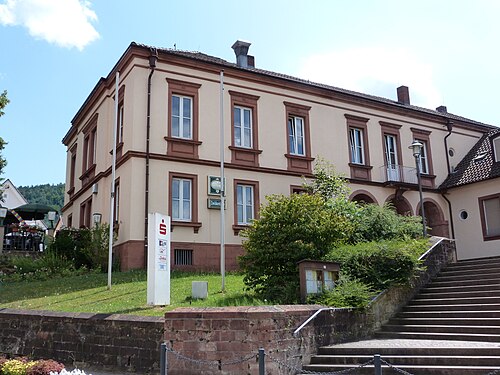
[(240, 48), (403, 95)]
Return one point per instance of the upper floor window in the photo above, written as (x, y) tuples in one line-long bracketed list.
[(182, 117), (119, 133), (357, 146), (392, 151), (426, 168), (244, 130), (89, 150), (489, 207), (296, 135), (242, 127), (72, 169), (496, 148), (298, 138), (424, 163)]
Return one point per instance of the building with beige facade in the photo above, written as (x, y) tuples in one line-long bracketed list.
[(276, 126)]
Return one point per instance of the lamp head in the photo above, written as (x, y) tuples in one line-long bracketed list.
[(416, 147)]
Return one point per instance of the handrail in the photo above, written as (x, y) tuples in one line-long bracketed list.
[(296, 332)]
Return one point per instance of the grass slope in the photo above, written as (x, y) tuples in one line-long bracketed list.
[(88, 293)]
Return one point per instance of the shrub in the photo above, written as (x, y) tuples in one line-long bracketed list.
[(380, 264), (45, 367), (290, 229), (15, 367), (377, 223), (347, 293)]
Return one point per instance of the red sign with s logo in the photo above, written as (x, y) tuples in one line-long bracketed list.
[(163, 228)]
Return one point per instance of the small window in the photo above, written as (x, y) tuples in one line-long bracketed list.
[(463, 215), (424, 163), (243, 127), (183, 257), (245, 204), (357, 146)]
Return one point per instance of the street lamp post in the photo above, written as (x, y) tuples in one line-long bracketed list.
[(3, 214), (416, 147)]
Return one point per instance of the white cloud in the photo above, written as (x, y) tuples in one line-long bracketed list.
[(67, 23), (375, 70)]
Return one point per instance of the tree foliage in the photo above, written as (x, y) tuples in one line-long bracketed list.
[(4, 100), (49, 194)]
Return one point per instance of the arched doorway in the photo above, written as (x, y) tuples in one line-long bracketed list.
[(401, 205), (435, 219), (363, 197)]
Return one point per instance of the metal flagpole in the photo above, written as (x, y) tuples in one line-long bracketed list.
[(222, 190), (113, 177)]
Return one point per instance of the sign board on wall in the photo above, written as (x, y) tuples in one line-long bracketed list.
[(158, 292)]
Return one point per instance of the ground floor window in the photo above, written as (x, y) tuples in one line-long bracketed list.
[(489, 207)]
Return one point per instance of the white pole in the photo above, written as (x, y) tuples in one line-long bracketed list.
[(113, 177), (222, 190)]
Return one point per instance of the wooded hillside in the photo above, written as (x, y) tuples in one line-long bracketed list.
[(49, 194)]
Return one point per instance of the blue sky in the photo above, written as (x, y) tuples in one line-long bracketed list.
[(54, 51)]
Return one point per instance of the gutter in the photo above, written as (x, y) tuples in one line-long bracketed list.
[(449, 126), (153, 57)]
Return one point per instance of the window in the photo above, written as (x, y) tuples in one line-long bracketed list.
[(359, 160), (119, 133), (72, 170), (70, 221), (183, 257), (183, 198), (356, 144), (490, 216), (86, 214), (392, 151), (296, 135), (182, 117), (298, 140), (242, 127), (89, 150), (496, 148), (182, 133), (246, 203), (423, 136), (244, 130)]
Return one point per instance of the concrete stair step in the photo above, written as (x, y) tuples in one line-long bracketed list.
[(475, 261), (461, 288), (464, 275), (449, 315), (454, 301), (454, 321), (430, 360), (417, 349), (460, 266), (443, 328), (467, 307), (438, 336), (411, 369), (465, 282), (462, 294)]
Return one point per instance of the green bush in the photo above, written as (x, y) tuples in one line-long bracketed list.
[(290, 229), (347, 293), (380, 264), (377, 223)]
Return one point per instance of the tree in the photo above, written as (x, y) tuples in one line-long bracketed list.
[(3, 103)]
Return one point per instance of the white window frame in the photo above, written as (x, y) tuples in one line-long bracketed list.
[(182, 214), (245, 202), (423, 159), (181, 117), (246, 138), (296, 136), (357, 146)]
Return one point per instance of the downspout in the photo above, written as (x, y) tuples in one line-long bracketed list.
[(449, 126), (152, 65)]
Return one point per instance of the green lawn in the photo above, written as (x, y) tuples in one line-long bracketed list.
[(88, 293)]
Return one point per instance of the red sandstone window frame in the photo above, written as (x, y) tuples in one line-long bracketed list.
[(181, 147), (256, 202), (239, 154), (89, 150), (423, 136), (86, 213), (361, 171), (298, 163), (193, 223)]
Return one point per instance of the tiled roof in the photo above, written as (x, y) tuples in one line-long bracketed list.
[(216, 60), (478, 165)]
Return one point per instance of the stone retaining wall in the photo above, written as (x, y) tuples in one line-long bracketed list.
[(120, 342)]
